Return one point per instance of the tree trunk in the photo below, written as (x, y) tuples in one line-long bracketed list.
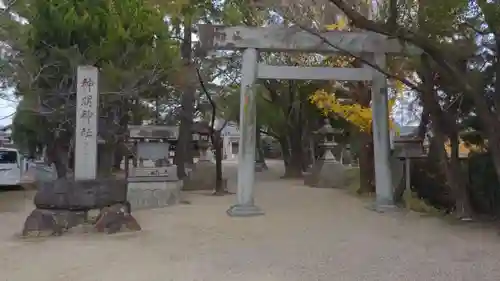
[(217, 141), (445, 127), (57, 154), (118, 157), (184, 149), (285, 150), (105, 156), (366, 163), (294, 167)]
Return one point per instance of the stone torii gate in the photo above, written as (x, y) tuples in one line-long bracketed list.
[(252, 40)]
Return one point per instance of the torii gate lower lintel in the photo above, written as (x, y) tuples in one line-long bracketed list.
[(373, 47)]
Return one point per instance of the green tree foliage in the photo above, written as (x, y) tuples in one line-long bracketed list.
[(127, 40)]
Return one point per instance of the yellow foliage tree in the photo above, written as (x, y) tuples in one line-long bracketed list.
[(356, 114)]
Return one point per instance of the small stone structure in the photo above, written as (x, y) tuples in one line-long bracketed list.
[(407, 146), (158, 186), (203, 176), (327, 172), (64, 203)]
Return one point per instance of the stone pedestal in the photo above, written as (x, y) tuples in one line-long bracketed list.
[(150, 188), (64, 203), (154, 192), (332, 175), (202, 177), (204, 173), (326, 174)]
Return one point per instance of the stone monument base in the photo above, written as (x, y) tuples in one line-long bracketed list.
[(64, 203), (153, 192), (327, 174), (244, 211), (203, 177)]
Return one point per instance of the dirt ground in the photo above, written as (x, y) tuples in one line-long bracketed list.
[(307, 234)]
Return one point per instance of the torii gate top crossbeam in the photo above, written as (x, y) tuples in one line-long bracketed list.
[(294, 39)]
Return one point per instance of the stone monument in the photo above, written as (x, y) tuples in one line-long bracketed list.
[(65, 202), (327, 172)]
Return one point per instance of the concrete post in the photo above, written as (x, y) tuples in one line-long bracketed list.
[(381, 140), (246, 154), (86, 123)]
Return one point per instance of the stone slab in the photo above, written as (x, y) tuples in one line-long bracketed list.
[(69, 194), (276, 38), (244, 211), (151, 195), (168, 171)]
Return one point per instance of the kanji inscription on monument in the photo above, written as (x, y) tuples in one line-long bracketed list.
[(86, 123)]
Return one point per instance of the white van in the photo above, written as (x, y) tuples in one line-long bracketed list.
[(11, 167)]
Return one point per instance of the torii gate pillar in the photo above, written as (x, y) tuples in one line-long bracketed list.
[(246, 154)]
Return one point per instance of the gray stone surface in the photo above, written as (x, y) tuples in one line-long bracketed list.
[(167, 171), (244, 211), (150, 195), (81, 194), (202, 177), (311, 177), (326, 174), (332, 175)]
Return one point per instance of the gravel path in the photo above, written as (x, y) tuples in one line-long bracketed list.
[(306, 235)]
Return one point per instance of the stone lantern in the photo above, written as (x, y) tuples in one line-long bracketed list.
[(327, 172), (328, 133), (203, 175), (204, 143)]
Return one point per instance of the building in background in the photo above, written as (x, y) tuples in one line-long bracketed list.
[(5, 136), (230, 140)]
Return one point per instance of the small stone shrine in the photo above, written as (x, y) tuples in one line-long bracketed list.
[(157, 185), (203, 176), (327, 172)]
